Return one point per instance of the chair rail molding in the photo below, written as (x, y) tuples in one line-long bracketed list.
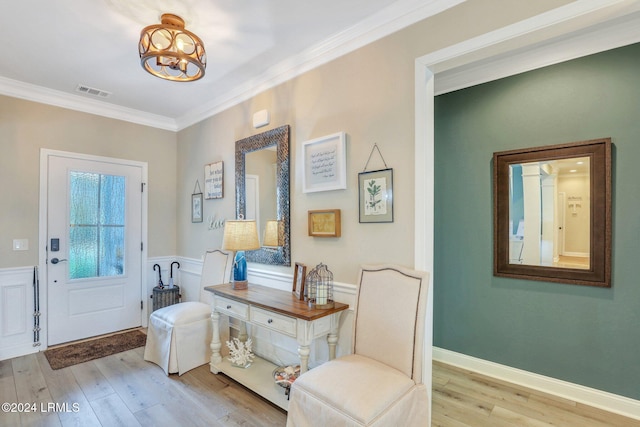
[(191, 268)]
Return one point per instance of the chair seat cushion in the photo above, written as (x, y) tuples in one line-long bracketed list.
[(372, 388), (183, 313)]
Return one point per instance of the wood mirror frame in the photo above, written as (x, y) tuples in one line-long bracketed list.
[(278, 138), (599, 271)]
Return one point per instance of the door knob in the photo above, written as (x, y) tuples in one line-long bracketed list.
[(56, 260)]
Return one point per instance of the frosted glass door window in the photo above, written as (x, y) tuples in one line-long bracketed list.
[(96, 225)]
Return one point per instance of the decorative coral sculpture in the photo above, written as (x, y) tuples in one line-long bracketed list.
[(240, 353)]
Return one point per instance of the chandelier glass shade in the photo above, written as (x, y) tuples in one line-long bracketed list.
[(171, 52)]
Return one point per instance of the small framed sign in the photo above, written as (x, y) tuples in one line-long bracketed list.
[(299, 275), (214, 180)]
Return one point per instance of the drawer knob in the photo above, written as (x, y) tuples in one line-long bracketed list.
[(270, 321), (228, 307)]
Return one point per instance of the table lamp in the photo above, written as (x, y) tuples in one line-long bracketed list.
[(240, 236), (272, 234)]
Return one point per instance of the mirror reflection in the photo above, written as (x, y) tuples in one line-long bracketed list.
[(552, 213), (549, 213), (262, 192)]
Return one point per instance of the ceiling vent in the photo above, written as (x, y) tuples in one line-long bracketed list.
[(93, 91)]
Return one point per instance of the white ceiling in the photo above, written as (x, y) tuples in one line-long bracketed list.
[(51, 47)]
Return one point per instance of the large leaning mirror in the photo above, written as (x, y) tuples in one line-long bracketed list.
[(262, 193), (552, 213)]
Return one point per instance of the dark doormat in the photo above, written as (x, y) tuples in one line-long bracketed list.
[(72, 354)]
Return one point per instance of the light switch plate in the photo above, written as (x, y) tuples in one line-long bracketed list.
[(20, 244)]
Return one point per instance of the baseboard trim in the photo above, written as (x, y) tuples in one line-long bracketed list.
[(589, 396)]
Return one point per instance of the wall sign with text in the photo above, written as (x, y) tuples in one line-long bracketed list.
[(214, 180), (325, 165)]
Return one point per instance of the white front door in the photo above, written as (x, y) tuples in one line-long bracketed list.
[(94, 237)]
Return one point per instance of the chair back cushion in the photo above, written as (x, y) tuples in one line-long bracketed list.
[(390, 317), (216, 269)]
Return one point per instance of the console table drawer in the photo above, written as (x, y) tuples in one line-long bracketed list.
[(232, 308), (271, 320)]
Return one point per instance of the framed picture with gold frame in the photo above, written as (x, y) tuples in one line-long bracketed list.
[(324, 223), (299, 276)]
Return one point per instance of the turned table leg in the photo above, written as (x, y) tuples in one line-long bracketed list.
[(303, 353), (216, 345), (332, 337)]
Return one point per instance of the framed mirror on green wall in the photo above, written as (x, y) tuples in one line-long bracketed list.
[(552, 213)]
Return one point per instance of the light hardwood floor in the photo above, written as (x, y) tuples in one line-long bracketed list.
[(463, 398), (124, 390)]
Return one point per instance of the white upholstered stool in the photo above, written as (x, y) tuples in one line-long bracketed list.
[(179, 335)]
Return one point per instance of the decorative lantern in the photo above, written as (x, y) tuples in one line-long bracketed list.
[(319, 287)]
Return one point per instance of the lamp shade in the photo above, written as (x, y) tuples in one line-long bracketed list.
[(240, 235), (272, 233)]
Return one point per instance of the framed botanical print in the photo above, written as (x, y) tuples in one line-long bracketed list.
[(196, 207), (375, 191)]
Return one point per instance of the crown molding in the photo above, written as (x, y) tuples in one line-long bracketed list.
[(542, 55), (488, 57), (399, 15), (387, 21), (29, 92)]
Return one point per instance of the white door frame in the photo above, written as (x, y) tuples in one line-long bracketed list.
[(483, 59), (42, 230)]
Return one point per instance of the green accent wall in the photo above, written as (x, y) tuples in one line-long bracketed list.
[(581, 334)]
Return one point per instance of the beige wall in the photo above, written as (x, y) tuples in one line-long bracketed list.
[(26, 127), (577, 221), (369, 94), (263, 163)]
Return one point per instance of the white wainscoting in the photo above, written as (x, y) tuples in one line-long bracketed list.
[(589, 396), (16, 312), (17, 309)]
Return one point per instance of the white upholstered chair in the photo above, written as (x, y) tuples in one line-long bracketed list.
[(380, 383), (179, 336)]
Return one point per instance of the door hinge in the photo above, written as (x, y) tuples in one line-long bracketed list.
[(141, 305), (141, 246), (142, 187)]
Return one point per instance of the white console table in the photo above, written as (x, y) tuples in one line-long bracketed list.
[(276, 310)]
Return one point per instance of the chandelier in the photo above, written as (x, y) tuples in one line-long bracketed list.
[(171, 52)]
